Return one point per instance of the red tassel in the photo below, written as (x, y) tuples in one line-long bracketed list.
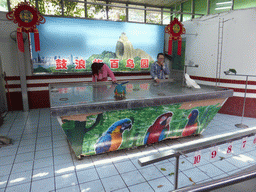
[(37, 41), (20, 40), (179, 47), (170, 46)]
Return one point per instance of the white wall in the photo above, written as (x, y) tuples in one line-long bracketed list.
[(239, 43), (8, 48)]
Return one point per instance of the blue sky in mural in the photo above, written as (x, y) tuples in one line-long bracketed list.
[(82, 38)]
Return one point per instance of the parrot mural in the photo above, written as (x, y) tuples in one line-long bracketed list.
[(157, 131), (112, 139), (192, 123)]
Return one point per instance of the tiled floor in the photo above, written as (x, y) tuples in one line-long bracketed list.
[(40, 159)]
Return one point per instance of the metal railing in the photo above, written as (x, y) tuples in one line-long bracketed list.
[(222, 182), (192, 146)]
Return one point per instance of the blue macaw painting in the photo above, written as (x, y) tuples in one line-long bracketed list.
[(111, 140), (122, 129), (71, 45)]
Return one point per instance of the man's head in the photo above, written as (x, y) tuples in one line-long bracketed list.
[(160, 58)]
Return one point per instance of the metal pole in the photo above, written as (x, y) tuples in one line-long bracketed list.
[(241, 125), (23, 81), (176, 172)]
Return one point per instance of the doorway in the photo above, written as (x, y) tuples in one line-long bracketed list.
[(3, 103)]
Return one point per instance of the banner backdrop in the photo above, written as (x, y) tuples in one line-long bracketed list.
[(71, 45)]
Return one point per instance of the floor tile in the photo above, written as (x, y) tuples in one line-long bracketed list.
[(43, 185), (3, 181), (26, 149), (118, 156), (27, 142), (137, 165), (132, 178), (211, 170), (5, 170), (24, 157), (69, 189), (61, 150), (42, 173), (66, 180), (19, 178), (24, 166), (183, 180), (25, 187), (43, 146), (113, 183), (125, 166), (151, 173), (240, 160), (92, 186), (87, 175), (196, 174), (106, 171), (85, 163), (220, 176), (185, 164), (7, 160), (45, 162), (43, 134), (166, 168), (43, 140), (43, 154), (143, 187), (122, 190), (61, 169), (62, 159), (225, 165), (134, 154), (161, 185)]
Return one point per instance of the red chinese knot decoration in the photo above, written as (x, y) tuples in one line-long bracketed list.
[(27, 18), (175, 29)]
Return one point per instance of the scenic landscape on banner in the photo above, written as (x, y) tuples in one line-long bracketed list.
[(72, 45)]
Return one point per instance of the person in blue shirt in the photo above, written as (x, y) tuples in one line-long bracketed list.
[(159, 69)]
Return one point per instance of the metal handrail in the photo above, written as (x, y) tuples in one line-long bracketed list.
[(180, 149), (220, 183)]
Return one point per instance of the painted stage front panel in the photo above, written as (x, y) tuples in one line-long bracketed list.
[(90, 134)]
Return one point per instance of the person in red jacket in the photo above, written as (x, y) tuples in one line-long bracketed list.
[(101, 72)]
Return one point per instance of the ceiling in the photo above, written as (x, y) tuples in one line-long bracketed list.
[(153, 3)]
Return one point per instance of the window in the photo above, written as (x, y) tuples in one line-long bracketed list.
[(166, 16), (49, 7), (176, 8), (96, 11), (186, 8), (73, 9), (136, 14), (14, 3), (242, 4), (3, 5), (200, 7), (153, 16), (117, 13), (218, 6)]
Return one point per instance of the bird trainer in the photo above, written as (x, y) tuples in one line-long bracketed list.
[(159, 69)]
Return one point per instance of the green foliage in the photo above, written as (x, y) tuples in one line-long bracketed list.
[(142, 119), (123, 17), (3, 4), (40, 69), (94, 9)]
